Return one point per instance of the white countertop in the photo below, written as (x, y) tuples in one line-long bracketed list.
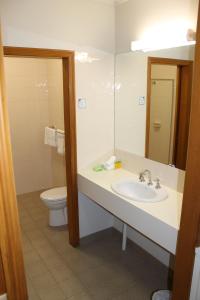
[(139, 215)]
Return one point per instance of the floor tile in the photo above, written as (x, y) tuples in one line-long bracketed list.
[(61, 273), (36, 269), (53, 293), (72, 287), (82, 296), (97, 270), (33, 295), (42, 283), (31, 257), (104, 292)]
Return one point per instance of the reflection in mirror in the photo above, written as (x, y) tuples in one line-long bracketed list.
[(168, 110), (152, 104)]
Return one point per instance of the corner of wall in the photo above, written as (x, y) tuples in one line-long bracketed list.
[(92, 218)]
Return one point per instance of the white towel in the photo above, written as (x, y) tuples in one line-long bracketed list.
[(60, 138), (50, 137)]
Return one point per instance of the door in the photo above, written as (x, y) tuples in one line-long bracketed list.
[(10, 238), (161, 129), (168, 110)]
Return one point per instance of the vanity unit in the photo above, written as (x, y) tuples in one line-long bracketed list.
[(158, 221)]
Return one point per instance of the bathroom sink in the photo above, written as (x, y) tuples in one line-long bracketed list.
[(139, 191)]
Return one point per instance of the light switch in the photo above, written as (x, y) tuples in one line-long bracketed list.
[(141, 100), (82, 103)]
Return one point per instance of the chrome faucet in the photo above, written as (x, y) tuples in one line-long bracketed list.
[(158, 186), (142, 176)]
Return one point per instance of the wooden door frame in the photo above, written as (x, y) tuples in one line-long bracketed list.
[(183, 117), (2, 277), (189, 233), (162, 61), (68, 64), (10, 233), (12, 270)]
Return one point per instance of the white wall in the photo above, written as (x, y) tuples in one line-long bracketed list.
[(28, 106), (95, 125), (133, 18), (89, 214), (35, 100), (131, 72), (56, 116), (85, 23), (80, 25)]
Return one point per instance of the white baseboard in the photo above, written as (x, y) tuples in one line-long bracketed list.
[(3, 297), (155, 250)]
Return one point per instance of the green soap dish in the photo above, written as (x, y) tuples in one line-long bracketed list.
[(98, 168)]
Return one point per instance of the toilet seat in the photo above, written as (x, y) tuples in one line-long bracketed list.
[(55, 195)]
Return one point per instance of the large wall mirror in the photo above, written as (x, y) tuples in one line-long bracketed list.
[(152, 103)]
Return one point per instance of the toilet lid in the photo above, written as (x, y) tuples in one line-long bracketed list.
[(55, 194)]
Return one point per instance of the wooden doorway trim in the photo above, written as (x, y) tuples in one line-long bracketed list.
[(2, 277), (12, 268), (70, 126), (190, 219), (182, 66)]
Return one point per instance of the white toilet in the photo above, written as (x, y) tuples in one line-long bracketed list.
[(56, 200)]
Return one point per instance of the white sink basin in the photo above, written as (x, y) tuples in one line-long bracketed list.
[(139, 191)]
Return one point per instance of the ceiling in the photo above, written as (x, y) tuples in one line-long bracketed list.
[(112, 2)]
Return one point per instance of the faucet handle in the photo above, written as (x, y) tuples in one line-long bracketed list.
[(150, 181), (158, 186), (141, 177)]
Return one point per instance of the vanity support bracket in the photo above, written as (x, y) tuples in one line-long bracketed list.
[(124, 238)]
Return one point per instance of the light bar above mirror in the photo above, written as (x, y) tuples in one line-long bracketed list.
[(164, 36)]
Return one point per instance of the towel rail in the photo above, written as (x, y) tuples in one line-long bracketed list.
[(58, 130)]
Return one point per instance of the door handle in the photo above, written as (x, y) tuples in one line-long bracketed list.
[(157, 125)]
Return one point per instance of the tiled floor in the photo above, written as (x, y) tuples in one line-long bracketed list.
[(97, 270)]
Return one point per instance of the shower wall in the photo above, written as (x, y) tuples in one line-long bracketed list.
[(35, 100)]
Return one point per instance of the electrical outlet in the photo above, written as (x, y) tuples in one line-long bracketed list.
[(141, 100), (82, 103)]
